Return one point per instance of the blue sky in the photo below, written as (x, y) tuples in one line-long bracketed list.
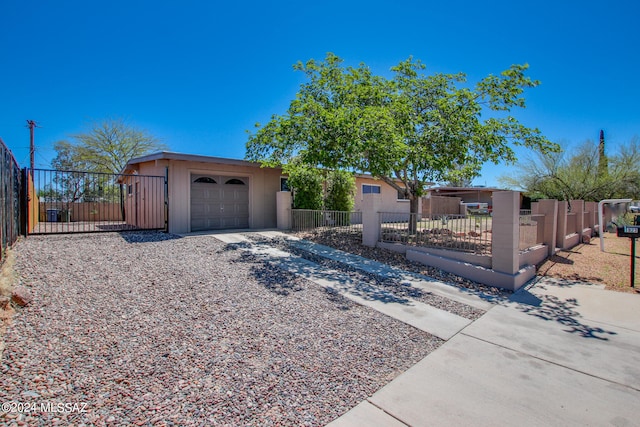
[(198, 74)]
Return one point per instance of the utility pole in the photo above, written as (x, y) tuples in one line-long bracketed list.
[(31, 124)]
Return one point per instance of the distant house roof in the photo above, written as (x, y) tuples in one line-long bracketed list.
[(457, 191), (170, 155)]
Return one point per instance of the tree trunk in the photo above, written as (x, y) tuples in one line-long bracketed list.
[(413, 217)]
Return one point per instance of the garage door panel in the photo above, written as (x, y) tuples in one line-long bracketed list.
[(232, 194), (204, 208), (204, 212), (229, 208), (210, 194), (224, 204), (234, 222), (199, 210), (205, 224)]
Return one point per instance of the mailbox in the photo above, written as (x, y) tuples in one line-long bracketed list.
[(632, 231)]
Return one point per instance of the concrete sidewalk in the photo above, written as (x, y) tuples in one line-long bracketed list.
[(555, 355)]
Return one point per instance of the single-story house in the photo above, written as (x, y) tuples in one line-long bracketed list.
[(392, 200), (209, 193)]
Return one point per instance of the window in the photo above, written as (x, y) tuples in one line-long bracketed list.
[(284, 184), (130, 189), (234, 181), (206, 180), (402, 195), (370, 189)]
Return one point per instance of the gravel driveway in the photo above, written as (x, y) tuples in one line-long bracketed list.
[(153, 329)]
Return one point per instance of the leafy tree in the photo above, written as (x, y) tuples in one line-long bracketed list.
[(461, 176), (579, 174), (626, 163), (306, 184), (407, 131), (71, 186), (106, 147), (341, 190), (68, 157), (49, 194), (66, 184)]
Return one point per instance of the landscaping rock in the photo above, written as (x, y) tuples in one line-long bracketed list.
[(243, 343), (4, 302), (21, 296)]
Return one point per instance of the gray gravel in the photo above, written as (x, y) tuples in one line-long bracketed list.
[(390, 285), (152, 329), (352, 242)]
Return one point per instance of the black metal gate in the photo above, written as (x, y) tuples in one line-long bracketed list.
[(86, 202), (11, 214)]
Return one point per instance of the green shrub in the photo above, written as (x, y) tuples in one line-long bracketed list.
[(306, 184), (341, 190)]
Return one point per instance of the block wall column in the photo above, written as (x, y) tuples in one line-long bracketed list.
[(577, 206), (549, 208), (370, 219), (561, 233), (505, 232), (283, 207), (592, 209)]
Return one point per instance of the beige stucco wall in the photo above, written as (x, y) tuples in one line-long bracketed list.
[(389, 196), (263, 185)]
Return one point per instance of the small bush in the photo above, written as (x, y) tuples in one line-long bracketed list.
[(341, 190), (306, 184)]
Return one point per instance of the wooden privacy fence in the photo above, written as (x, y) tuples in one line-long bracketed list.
[(79, 211), (441, 205)]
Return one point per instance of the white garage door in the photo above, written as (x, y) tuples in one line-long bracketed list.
[(219, 202)]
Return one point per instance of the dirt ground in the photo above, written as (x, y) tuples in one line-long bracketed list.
[(587, 263)]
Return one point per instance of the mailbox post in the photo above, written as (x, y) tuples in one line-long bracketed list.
[(632, 232)]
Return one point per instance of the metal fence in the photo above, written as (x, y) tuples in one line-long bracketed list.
[(307, 219), (453, 232), (11, 213), (81, 202)]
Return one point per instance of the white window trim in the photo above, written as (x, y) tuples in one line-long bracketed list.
[(401, 200), (370, 185)]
